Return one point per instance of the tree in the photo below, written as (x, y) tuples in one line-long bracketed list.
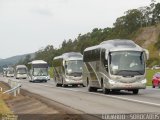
[(156, 13)]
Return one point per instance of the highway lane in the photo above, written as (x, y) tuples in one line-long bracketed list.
[(149, 95), (97, 103)]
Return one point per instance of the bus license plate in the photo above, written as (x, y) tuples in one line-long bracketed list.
[(128, 86)]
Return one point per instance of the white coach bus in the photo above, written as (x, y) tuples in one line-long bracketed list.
[(68, 69), (115, 65), (39, 71), (10, 72), (21, 72)]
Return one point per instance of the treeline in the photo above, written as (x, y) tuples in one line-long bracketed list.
[(124, 27)]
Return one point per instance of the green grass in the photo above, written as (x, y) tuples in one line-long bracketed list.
[(4, 108), (51, 72), (149, 76)]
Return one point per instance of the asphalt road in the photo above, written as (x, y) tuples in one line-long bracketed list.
[(147, 101)]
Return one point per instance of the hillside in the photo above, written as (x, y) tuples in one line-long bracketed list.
[(132, 25), (148, 38), (13, 60)]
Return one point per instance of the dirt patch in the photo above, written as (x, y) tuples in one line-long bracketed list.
[(147, 36), (30, 108)]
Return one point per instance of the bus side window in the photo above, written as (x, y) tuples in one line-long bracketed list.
[(103, 60)]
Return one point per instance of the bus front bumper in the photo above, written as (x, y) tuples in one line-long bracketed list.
[(126, 86), (73, 82), (21, 76)]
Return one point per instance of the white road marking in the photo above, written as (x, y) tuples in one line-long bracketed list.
[(111, 96)]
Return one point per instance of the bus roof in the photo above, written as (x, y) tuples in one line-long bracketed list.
[(38, 62), (21, 66), (116, 45), (70, 56), (58, 57)]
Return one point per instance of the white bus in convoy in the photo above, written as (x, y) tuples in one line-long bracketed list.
[(115, 65), (4, 72), (68, 69), (39, 71), (10, 72), (21, 72)]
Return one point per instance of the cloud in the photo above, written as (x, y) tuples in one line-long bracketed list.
[(42, 11)]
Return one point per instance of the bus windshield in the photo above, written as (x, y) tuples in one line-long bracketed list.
[(40, 72), (10, 71), (21, 71), (127, 63), (74, 67)]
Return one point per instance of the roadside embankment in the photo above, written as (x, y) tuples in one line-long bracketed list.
[(28, 106)]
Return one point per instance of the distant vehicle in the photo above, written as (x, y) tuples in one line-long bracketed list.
[(156, 67), (156, 80), (10, 72), (21, 72), (39, 71), (4, 72), (115, 65), (68, 69)]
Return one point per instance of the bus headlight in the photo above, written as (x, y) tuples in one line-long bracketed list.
[(67, 79), (112, 82), (144, 81), (34, 78)]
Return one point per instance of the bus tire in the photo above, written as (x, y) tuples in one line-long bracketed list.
[(106, 91), (64, 85), (58, 85), (135, 91), (74, 85), (92, 89)]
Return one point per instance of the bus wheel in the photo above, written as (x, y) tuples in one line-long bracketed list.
[(92, 89), (87, 82), (106, 91), (135, 91), (64, 85), (58, 85)]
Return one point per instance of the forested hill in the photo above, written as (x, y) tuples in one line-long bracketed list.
[(140, 25), (14, 60)]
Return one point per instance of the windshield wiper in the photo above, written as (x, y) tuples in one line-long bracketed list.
[(128, 72)]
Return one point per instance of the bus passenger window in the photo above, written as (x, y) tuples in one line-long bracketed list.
[(106, 64)]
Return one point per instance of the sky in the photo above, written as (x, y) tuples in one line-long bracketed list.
[(29, 25)]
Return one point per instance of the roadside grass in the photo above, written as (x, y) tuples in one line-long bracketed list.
[(4, 109), (51, 72), (149, 75)]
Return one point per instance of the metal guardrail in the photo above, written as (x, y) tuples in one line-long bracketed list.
[(15, 87)]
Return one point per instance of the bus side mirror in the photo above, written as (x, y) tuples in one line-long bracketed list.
[(146, 54), (65, 66), (106, 55), (30, 72)]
